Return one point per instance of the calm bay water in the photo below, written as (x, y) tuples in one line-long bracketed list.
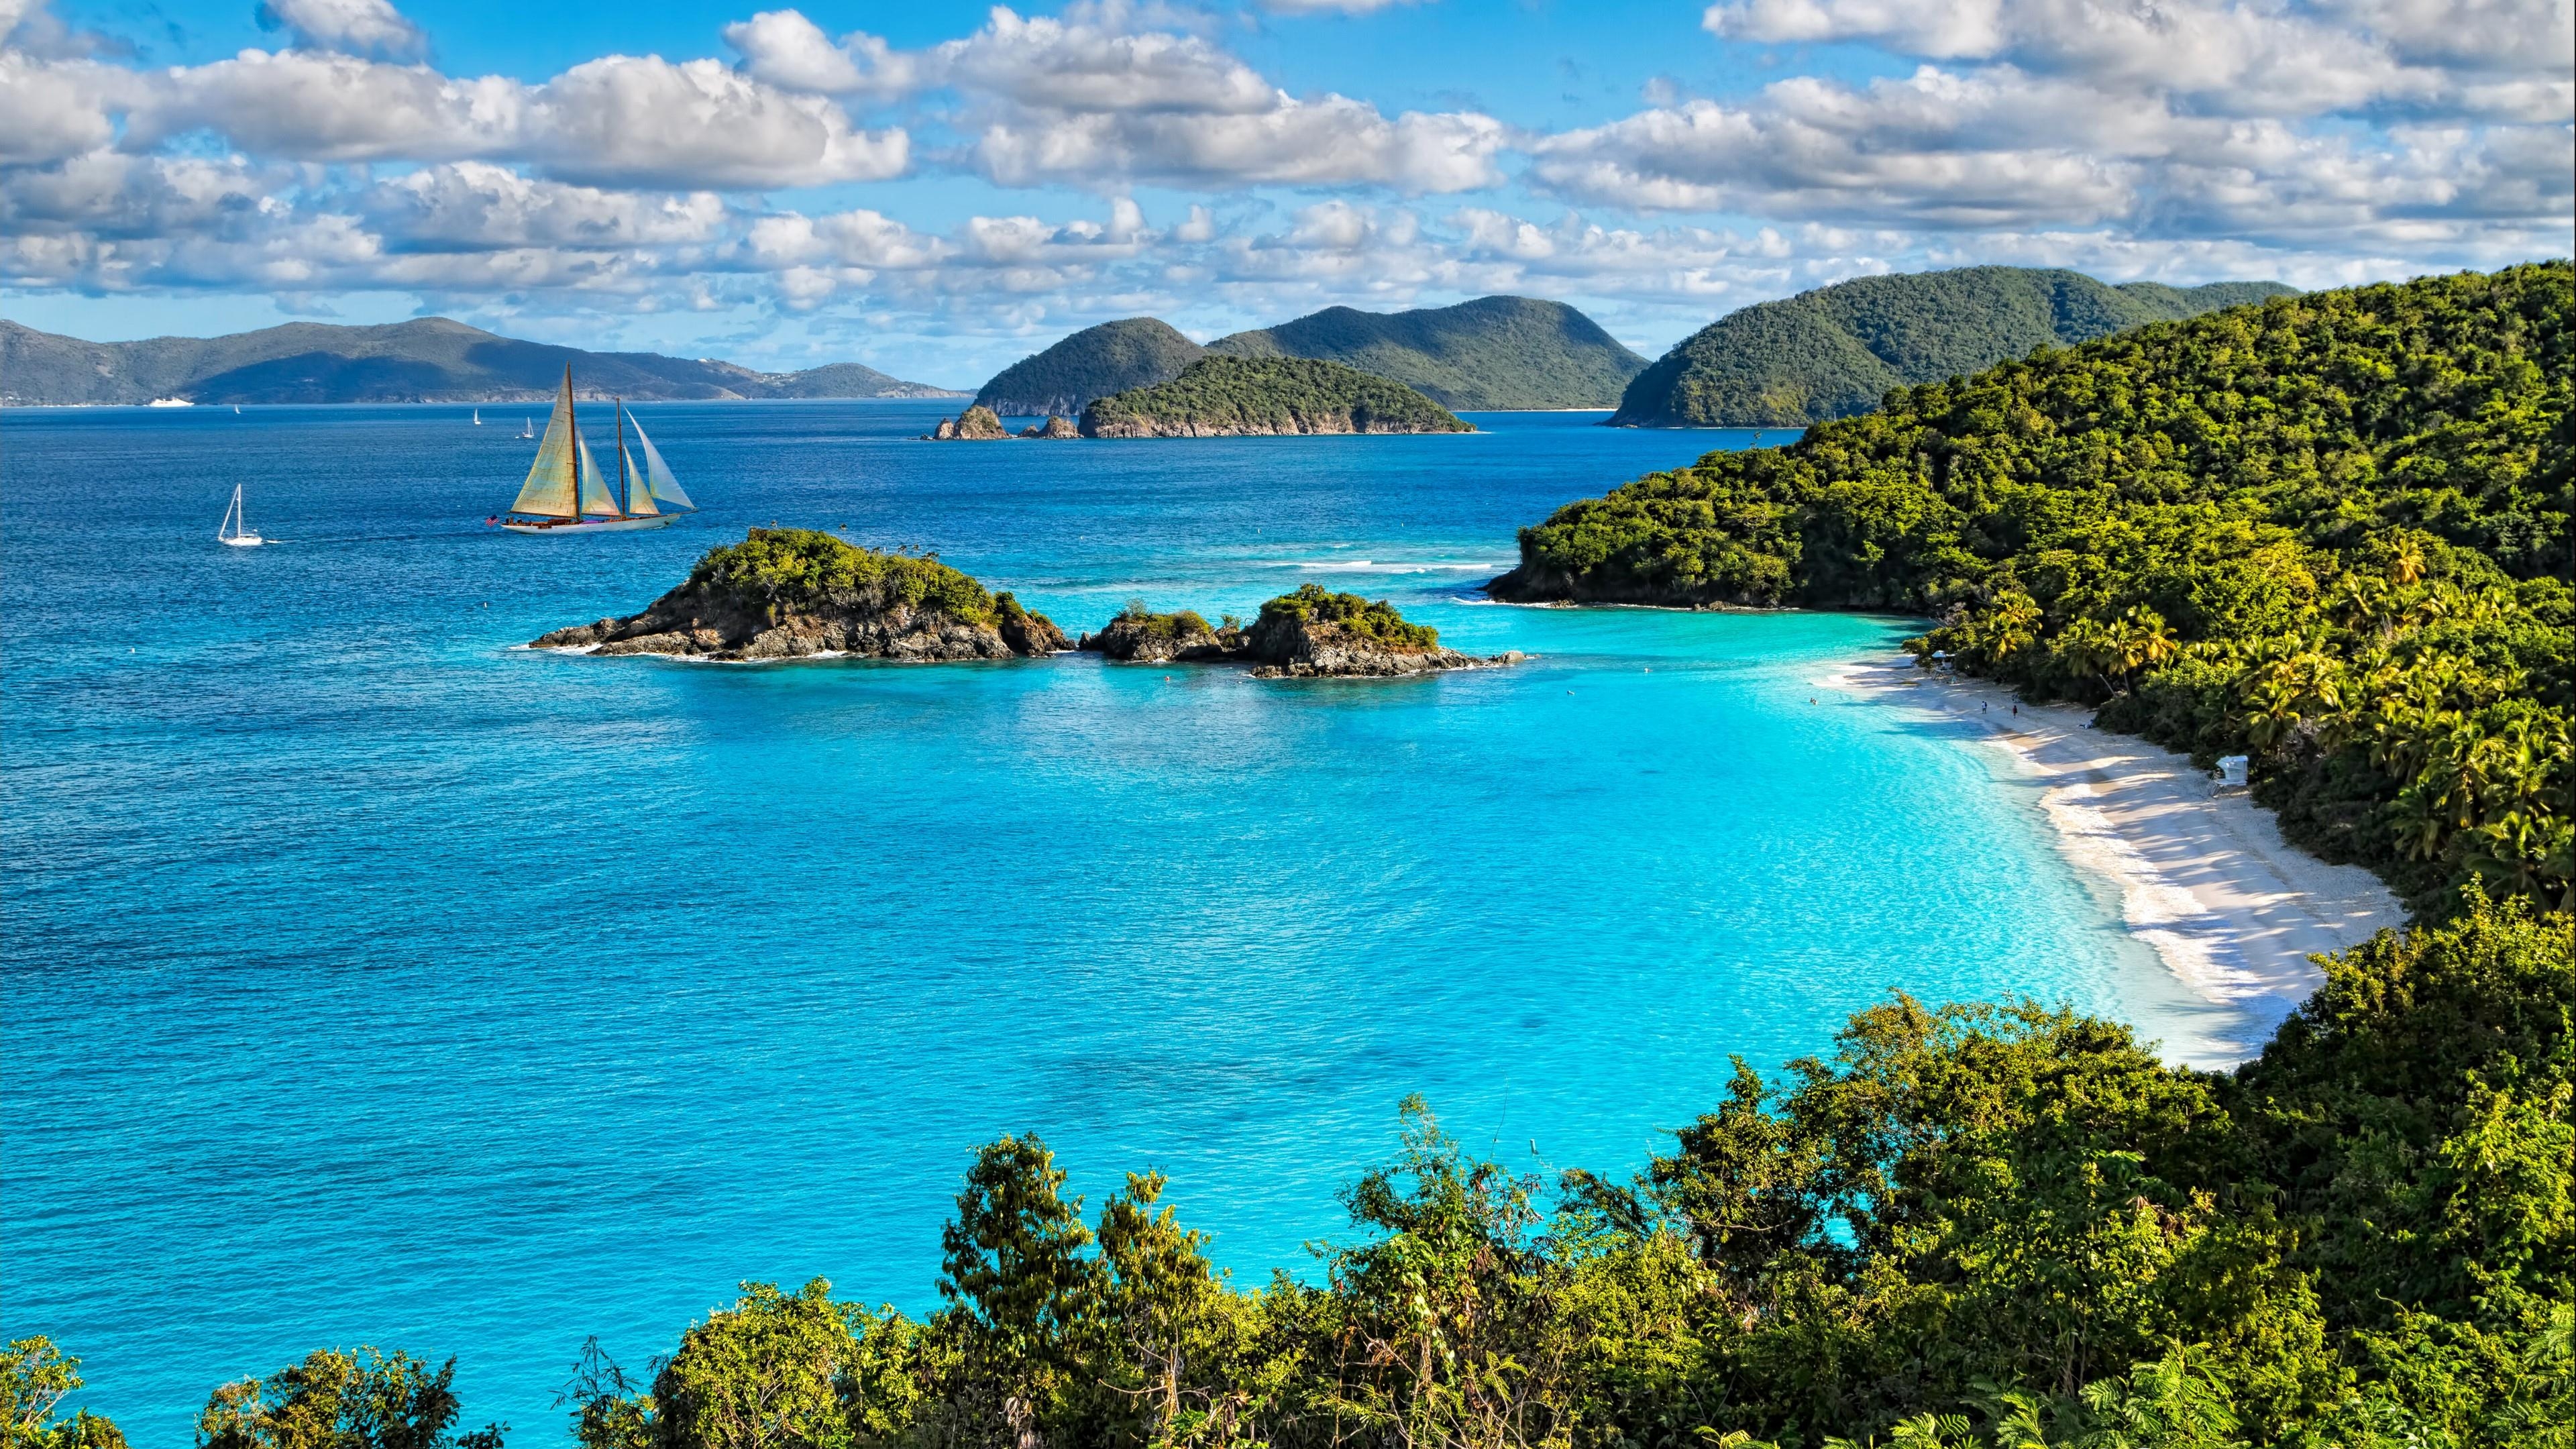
[(368, 980)]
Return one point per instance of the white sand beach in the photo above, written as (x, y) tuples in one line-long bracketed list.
[(2202, 875)]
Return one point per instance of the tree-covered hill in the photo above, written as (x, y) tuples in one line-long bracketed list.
[(1493, 352), (1836, 351), (2329, 531), (1239, 396), (1092, 363), (429, 359)]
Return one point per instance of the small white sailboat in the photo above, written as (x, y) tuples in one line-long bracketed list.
[(235, 529), (527, 427), (478, 417), (566, 494), (236, 409)]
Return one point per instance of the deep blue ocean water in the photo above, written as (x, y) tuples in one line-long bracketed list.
[(370, 981)]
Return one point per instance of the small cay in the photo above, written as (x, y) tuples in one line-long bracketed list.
[(1232, 397), (788, 593), (1310, 634)]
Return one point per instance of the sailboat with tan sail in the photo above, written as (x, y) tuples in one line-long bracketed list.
[(565, 492)]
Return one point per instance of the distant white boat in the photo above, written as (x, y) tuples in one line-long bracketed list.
[(236, 409), (235, 529), (566, 494), (478, 417), (172, 402), (527, 427)]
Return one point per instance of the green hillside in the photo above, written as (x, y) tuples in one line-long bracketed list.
[(431, 359), (2330, 532), (1094, 362), (1836, 351), (1494, 352), (1242, 396)]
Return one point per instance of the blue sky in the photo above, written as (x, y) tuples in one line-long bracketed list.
[(938, 189)]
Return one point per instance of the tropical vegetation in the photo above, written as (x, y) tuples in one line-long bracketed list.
[(1376, 619), (1229, 395), (779, 571), (2008, 1227), (2329, 532), (1838, 350)]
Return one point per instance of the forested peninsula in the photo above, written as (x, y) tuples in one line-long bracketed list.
[(2329, 531), (1225, 397)]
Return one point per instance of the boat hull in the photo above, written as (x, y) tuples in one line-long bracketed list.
[(596, 525), (247, 540)]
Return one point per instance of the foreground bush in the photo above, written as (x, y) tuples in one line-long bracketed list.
[(2002, 1226)]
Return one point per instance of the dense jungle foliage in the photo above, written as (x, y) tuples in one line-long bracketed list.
[(1370, 619), (800, 570), (2001, 1226), (1269, 395), (1838, 350), (1094, 362), (1493, 352), (2329, 532)]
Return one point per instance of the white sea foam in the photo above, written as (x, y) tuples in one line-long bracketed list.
[(1388, 566)]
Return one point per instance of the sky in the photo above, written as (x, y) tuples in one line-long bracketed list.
[(939, 189)]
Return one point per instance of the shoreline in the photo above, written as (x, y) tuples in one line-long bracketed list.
[(2203, 877)]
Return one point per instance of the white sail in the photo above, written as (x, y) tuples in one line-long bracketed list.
[(548, 493), (664, 487), (639, 494), (596, 499)]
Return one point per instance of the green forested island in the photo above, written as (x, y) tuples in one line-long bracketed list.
[(1838, 350), (1217, 397), (429, 359), (788, 593), (1094, 362), (2329, 531), (1491, 353)]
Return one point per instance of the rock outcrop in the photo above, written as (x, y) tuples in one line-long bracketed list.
[(788, 593), (1310, 634), (1149, 638), (1056, 426), (975, 425)]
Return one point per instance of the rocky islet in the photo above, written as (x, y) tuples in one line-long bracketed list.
[(788, 593)]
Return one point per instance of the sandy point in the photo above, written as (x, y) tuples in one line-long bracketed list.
[(2202, 874)]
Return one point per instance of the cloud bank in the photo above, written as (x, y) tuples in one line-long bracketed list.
[(2313, 140)]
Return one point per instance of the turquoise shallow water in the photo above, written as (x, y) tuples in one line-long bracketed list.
[(370, 981)]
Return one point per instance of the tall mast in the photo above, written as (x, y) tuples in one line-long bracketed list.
[(573, 426), (625, 495)]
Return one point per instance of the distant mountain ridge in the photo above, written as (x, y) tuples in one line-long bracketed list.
[(431, 359), (1493, 353), (1836, 351)]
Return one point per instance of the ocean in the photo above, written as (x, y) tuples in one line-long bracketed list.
[(369, 980)]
